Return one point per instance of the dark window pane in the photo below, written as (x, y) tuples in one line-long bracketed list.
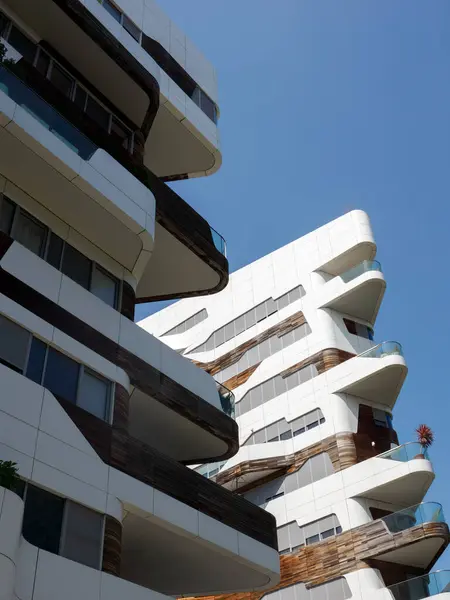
[(7, 209), (93, 395), (61, 80), (208, 106), (76, 266), (121, 133), (132, 29), (312, 540), (80, 97), (43, 62), (42, 519), (4, 21), (104, 286), (351, 326), (36, 360), (327, 534), (97, 113), (61, 375), (19, 488), (30, 233), (22, 44), (14, 342), (83, 533), (54, 251), (113, 11)]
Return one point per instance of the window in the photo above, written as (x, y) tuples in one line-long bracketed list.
[(113, 11), (210, 469), (359, 329), (35, 236), (14, 344), (22, 44), (62, 80), (62, 527), (283, 430), (249, 319), (132, 29), (188, 323), (64, 377), (382, 418)]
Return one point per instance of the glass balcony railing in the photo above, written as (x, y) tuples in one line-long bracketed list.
[(219, 242), (382, 350), (364, 267), (45, 114), (406, 452), (226, 400), (422, 587), (426, 512)]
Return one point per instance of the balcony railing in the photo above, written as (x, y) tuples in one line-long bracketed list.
[(426, 512), (422, 587), (406, 452), (47, 116), (226, 400), (364, 267), (168, 201), (382, 350)]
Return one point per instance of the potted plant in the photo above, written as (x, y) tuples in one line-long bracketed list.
[(8, 475), (425, 437)]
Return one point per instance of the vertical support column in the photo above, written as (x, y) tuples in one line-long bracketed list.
[(11, 515)]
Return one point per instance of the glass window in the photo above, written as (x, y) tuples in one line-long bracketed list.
[(97, 113), (80, 97), (93, 395), (42, 519), (61, 80), (42, 62), (132, 29), (121, 133), (83, 533), (250, 318), (28, 232), (61, 375), (208, 106), (113, 11), (76, 266), (219, 337), (240, 325), (4, 22), (104, 286), (54, 251), (7, 209), (260, 312), (22, 44), (229, 331), (14, 341), (36, 360)]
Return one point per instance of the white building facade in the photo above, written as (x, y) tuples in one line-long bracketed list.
[(292, 338), (101, 103)]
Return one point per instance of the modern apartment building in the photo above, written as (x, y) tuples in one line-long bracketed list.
[(101, 103), (292, 337)]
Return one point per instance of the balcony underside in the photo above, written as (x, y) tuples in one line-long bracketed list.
[(421, 554), (355, 255), (408, 489), (178, 564), (157, 425), (360, 298)]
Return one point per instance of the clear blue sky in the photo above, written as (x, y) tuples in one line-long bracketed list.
[(330, 105)]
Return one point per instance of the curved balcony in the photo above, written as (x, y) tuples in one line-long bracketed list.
[(401, 476), (227, 400), (432, 584), (376, 375), (357, 292), (417, 536)]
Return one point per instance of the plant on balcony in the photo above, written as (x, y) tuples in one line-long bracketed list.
[(5, 61), (8, 474), (425, 437)]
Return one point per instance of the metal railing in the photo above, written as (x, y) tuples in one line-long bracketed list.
[(421, 587), (406, 452), (382, 350), (227, 400), (45, 114), (364, 267), (425, 512)]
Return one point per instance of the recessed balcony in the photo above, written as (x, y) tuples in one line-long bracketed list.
[(357, 292), (377, 375), (417, 536), (401, 476), (436, 584)]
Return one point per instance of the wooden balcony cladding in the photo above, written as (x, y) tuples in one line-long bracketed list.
[(142, 375), (340, 448), (112, 546), (131, 456), (345, 553)]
